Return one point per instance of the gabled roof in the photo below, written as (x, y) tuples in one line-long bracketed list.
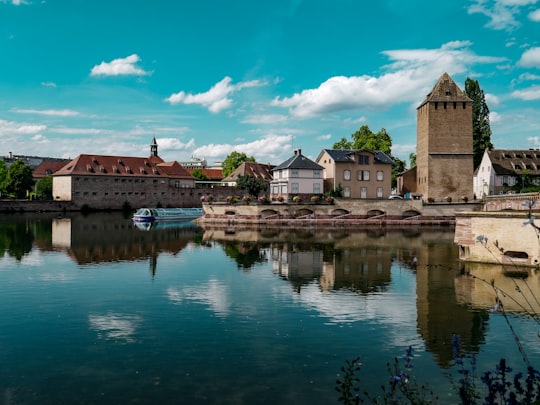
[(128, 166), (298, 161), (514, 162), (348, 155), (48, 167), (258, 170), (446, 90), (212, 174)]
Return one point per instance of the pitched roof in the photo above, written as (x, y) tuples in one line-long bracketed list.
[(514, 162), (446, 90), (298, 161), (127, 166), (347, 155), (48, 167), (258, 170), (212, 174)]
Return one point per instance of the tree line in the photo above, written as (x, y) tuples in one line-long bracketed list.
[(17, 181)]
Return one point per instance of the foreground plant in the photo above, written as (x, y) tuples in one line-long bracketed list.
[(498, 386)]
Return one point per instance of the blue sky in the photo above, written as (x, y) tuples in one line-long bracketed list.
[(261, 77)]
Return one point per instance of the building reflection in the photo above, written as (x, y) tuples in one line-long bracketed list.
[(496, 288), (100, 238), (363, 261)]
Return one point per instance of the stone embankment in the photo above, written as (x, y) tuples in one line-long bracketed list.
[(343, 213), (13, 206)]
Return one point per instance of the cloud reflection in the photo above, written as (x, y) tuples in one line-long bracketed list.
[(214, 294), (115, 326)]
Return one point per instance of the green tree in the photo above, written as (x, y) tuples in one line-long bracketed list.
[(19, 179), (481, 127), (199, 175), (397, 168), (3, 175), (233, 160), (251, 184), (412, 159), (44, 188), (343, 144), (364, 138)]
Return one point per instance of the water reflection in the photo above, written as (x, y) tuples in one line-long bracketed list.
[(344, 275), (107, 238)]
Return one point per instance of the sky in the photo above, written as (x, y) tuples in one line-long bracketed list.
[(264, 77)]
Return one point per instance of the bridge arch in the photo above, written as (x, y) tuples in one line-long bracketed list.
[(375, 213)]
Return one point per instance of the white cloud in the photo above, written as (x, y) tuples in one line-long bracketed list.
[(409, 72), (501, 13), (494, 117), (119, 67), (534, 15), (532, 93), (264, 119), (40, 139), (10, 127), (58, 113), (216, 99), (48, 84), (174, 144), (530, 58), (15, 2), (528, 76), (265, 149), (324, 137), (491, 99)]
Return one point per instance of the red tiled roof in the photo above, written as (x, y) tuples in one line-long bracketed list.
[(258, 170), (212, 174), (129, 166), (47, 167)]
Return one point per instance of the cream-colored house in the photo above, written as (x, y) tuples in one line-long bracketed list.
[(297, 176), (360, 173)]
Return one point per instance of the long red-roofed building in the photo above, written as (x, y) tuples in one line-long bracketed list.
[(102, 182)]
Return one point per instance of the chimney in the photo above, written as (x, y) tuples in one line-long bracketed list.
[(297, 152)]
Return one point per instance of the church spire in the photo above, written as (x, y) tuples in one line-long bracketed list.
[(153, 148)]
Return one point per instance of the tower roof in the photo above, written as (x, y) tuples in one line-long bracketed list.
[(446, 90)]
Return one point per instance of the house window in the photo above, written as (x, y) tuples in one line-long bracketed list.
[(346, 192), (294, 172), (363, 192), (294, 188), (380, 175), (177, 184), (275, 189), (316, 174), (283, 189), (363, 175), (379, 192), (363, 160), (316, 188), (347, 175)]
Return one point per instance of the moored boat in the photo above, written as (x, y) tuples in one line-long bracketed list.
[(166, 214)]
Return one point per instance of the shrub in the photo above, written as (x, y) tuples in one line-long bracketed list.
[(315, 198), (263, 199), (246, 199), (297, 199), (280, 198)]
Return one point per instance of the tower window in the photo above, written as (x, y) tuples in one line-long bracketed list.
[(445, 106)]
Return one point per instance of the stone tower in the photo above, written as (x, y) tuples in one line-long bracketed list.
[(444, 143)]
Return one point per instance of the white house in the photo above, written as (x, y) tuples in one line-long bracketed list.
[(297, 176), (503, 170)]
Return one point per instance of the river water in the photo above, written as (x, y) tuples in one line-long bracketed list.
[(97, 310)]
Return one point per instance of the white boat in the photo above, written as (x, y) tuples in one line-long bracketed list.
[(166, 214)]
